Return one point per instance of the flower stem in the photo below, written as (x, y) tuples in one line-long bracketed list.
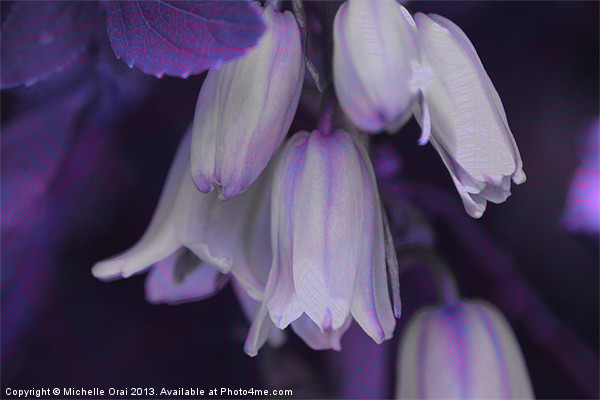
[(438, 268), (300, 16), (327, 112)]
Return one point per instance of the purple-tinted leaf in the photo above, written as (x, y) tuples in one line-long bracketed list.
[(39, 38), (58, 168), (180, 38)]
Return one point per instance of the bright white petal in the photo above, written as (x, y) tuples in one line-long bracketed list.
[(159, 241), (468, 123)]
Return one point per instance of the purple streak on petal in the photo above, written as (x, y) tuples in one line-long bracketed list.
[(332, 212), (280, 293), (39, 38), (461, 350), (180, 38), (492, 328), (245, 109)]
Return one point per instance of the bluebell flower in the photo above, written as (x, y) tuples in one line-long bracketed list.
[(462, 115), (245, 109), (194, 239), (374, 51), (461, 350), (328, 244), (582, 211)]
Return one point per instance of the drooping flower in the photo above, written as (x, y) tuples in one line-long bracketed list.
[(194, 238), (374, 49), (195, 242), (227, 235), (328, 244), (245, 109), (461, 350), (463, 117)]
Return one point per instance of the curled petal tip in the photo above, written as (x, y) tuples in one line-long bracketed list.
[(107, 270), (519, 177), (475, 210)]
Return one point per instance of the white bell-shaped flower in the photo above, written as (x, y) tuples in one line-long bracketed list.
[(374, 50), (328, 244), (461, 114), (461, 350), (245, 109)]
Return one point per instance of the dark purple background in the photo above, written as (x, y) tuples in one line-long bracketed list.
[(109, 134)]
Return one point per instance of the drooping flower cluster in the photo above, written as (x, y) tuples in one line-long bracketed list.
[(301, 229), (386, 63)]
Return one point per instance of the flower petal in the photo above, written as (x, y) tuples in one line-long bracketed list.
[(233, 235), (331, 213), (180, 278), (276, 337), (461, 350), (468, 122), (246, 108), (374, 45), (159, 241), (371, 307), (315, 338), (280, 293)]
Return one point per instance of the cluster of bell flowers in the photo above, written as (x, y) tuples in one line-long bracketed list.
[(388, 66), (299, 226)]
